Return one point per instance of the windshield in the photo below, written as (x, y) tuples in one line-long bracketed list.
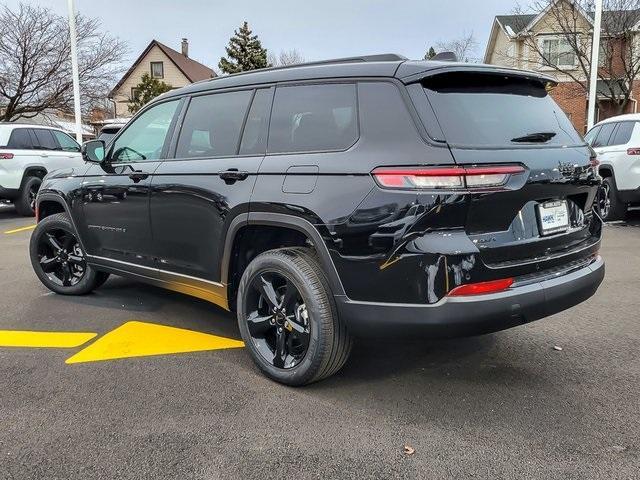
[(480, 109)]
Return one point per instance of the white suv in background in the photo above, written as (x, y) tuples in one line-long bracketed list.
[(27, 153), (617, 143)]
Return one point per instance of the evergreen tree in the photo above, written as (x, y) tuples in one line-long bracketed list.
[(148, 89), (245, 52), (430, 54)]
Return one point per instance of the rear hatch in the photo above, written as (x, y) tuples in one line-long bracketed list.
[(542, 218)]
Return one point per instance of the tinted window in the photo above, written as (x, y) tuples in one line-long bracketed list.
[(591, 135), (212, 125), (66, 142), (254, 138), (602, 140), (622, 134), (144, 138), (44, 139), (476, 109), (20, 139), (313, 118)]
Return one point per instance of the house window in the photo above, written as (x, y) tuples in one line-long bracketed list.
[(157, 70), (558, 53), (134, 93)]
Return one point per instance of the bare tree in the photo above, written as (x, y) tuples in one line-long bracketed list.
[(286, 57), (35, 65), (465, 47), (570, 20)]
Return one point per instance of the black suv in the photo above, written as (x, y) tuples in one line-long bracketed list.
[(363, 196)]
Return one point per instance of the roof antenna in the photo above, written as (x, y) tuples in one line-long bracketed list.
[(445, 57)]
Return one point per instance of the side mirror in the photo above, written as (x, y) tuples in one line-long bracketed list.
[(93, 151)]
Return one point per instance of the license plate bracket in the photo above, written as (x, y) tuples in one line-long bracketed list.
[(553, 217)]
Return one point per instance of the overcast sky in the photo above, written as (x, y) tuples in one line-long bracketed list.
[(317, 29)]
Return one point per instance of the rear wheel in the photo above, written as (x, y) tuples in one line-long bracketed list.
[(26, 202), (288, 320), (58, 259), (611, 208)]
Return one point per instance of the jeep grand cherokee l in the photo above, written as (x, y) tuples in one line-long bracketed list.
[(339, 199)]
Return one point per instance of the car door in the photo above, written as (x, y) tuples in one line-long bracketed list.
[(69, 149), (196, 194), (601, 143), (50, 151), (115, 223)]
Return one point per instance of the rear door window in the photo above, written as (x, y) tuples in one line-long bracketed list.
[(480, 109), (622, 134), (212, 125), (20, 139), (44, 139), (311, 118), (602, 139)]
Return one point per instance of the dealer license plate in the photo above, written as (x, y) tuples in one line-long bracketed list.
[(553, 217)]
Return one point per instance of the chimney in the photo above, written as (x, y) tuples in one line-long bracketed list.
[(185, 47)]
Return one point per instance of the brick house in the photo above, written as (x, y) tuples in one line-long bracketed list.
[(510, 44), (161, 62)]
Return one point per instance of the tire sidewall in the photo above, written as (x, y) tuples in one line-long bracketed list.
[(22, 204), (305, 371), (616, 207)]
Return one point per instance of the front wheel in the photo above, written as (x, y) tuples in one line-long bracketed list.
[(611, 208), (58, 259), (288, 319)]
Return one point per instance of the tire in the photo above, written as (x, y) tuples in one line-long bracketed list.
[(101, 278), (25, 203), (611, 208), (328, 343), (63, 259)]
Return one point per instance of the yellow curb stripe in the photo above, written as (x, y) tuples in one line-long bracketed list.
[(21, 229), (18, 338)]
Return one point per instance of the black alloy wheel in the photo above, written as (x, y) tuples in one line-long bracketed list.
[(604, 200), (278, 320), (58, 259), (61, 257)]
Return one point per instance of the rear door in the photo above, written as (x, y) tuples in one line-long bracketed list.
[(545, 213), (208, 182), (50, 150)]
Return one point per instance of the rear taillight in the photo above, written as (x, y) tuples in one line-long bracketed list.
[(6, 156), (633, 151), (482, 288), (445, 177)]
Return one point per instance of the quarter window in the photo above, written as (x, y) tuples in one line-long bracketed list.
[(212, 125), (254, 138), (309, 118), (20, 139), (67, 143), (144, 139), (157, 70)]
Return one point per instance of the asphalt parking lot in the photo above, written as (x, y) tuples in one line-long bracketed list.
[(506, 405)]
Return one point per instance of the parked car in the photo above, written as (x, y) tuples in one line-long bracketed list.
[(617, 143), (241, 191), (109, 131), (27, 153)]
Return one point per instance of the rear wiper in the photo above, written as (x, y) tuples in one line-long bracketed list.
[(538, 137)]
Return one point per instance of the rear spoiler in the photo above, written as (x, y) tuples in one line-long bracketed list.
[(413, 72)]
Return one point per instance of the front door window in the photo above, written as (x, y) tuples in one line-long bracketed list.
[(145, 138)]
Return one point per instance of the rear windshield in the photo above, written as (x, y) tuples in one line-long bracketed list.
[(479, 109)]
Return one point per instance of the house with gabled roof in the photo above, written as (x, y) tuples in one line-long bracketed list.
[(162, 62), (537, 42)]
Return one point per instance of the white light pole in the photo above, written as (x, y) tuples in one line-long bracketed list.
[(74, 70), (595, 53)]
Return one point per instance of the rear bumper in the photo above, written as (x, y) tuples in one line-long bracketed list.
[(473, 315)]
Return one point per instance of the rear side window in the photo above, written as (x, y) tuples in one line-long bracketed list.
[(212, 125), (20, 139), (44, 139), (480, 109), (602, 139), (67, 143), (254, 138), (308, 118), (622, 134)]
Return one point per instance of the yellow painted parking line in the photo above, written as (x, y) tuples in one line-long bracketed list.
[(140, 339), (17, 338), (21, 229)]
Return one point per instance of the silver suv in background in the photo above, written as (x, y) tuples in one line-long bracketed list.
[(617, 143)]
